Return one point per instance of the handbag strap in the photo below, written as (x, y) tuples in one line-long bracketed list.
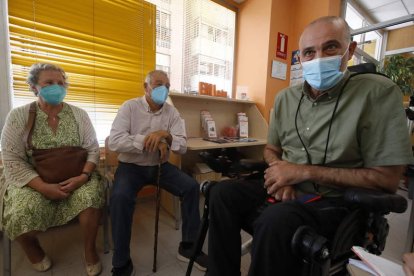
[(28, 132)]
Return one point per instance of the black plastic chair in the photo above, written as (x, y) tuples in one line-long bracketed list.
[(363, 67)]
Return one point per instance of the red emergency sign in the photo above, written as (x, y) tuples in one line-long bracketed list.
[(281, 47)]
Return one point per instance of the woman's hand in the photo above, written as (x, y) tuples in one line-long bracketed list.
[(73, 183), (53, 192)]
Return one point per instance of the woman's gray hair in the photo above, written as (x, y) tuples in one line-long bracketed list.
[(34, 72)]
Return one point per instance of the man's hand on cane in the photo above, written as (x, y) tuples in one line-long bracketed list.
[(163, 148), (152, 140)]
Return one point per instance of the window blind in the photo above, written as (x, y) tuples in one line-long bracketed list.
[(105, 47)]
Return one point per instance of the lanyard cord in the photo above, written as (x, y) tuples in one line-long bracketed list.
[(297, 130), (316, 186)]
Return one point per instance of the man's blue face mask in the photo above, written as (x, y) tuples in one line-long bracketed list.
[(323, 73), (159, 94), (53, 94)]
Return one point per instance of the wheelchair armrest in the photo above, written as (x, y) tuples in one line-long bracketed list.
[(252, 165), (376, 201), (232, 165), (218, 164)]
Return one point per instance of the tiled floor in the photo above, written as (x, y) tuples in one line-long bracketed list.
[(64, 246)]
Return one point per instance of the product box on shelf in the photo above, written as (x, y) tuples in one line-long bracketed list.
[(202, 172)]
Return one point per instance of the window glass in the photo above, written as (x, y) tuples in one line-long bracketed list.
[(370, 42), (200, 43)]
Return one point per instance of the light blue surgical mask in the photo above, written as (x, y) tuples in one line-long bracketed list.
[(53, 94), (323, 73), (159, 94)]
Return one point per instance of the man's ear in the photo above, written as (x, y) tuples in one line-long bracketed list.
[(352, 47), (146, 86), (34, 90)]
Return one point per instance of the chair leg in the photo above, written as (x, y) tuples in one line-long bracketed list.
[(177, 213), (6, 256), (105, 219), (105, 225)]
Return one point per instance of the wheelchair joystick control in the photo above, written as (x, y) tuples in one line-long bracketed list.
[(270, 200)]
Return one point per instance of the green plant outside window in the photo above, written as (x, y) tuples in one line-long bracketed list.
[(400, 69)]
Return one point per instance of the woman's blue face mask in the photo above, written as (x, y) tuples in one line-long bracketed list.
[(323, 73), (159, 94), (53, 94)]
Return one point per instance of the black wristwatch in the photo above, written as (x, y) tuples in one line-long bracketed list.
[(88, 174)]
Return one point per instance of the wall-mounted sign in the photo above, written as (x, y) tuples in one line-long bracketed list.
[(295, 69), (279, 70), (281, 47), (295, 57)]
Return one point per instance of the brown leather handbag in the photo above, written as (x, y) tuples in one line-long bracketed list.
[(57, 164)]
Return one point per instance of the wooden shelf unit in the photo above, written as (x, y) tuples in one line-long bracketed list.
[(224, 113)]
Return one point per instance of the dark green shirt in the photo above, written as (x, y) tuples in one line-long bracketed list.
[(369, 128)]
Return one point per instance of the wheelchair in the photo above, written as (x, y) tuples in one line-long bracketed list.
[(365, 224)]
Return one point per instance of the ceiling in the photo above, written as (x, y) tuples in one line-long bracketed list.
[(384, 10)]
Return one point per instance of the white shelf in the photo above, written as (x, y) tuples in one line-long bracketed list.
[(200, 144), (208, 98)]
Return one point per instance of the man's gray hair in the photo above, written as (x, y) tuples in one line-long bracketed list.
[(149, 76), (35, 69)]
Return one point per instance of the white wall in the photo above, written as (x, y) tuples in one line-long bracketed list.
[(5, 65)]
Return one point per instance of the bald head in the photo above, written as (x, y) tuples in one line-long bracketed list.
[(337, 23), (324, 37)]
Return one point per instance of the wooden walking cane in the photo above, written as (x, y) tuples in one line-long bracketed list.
[(157, 216)]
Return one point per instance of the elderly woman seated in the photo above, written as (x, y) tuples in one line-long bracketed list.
[(34, 200)]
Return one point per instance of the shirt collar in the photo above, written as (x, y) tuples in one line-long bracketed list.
[(329, 94), (144, 102)]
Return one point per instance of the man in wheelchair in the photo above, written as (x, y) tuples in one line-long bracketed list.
[(336, 131)]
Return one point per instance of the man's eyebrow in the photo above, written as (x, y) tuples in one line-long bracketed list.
[(333, 41), (161, 82), (308, 49)]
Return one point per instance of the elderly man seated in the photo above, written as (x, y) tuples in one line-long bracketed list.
[(335, 131)]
